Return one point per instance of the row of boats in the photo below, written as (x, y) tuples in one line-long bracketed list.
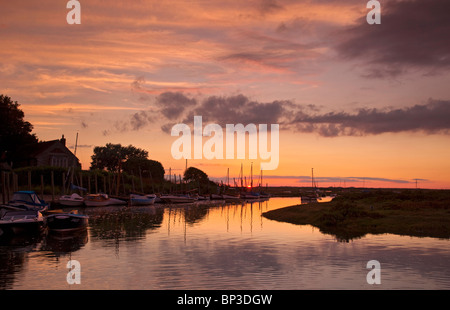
[(26, 212), (95, 200)]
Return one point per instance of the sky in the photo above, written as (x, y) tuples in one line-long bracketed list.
[(362, 105)]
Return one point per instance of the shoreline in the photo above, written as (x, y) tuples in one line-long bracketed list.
[(354, 215)]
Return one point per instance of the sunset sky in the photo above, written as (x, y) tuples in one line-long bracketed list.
[(361, 104)]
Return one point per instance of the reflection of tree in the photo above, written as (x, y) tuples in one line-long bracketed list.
[(129, 223), (13, 256)]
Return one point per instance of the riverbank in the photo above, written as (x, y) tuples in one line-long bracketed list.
[(419, 213)]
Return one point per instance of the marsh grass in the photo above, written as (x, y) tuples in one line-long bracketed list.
[(421, 213)]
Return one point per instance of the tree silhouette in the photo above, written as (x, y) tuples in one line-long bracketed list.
[(14, 130)]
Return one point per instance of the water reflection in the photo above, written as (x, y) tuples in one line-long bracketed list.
[(123, 222), (216, 245)]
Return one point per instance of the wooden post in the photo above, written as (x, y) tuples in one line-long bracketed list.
[(42, 186), (64, 183), (109, 184), (3, 188), (140, 177), (81, 183), (52, 175), (8, 189), (29, 180)]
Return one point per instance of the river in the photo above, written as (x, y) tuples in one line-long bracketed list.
[(220, 247)]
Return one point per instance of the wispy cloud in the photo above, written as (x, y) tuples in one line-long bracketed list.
[(412, 36)]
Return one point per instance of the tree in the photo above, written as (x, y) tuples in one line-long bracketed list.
[(14, 130), (195, 175), (112, 156), (147, 167)]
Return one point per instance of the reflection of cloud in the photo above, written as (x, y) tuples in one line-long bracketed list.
[(412, 35)]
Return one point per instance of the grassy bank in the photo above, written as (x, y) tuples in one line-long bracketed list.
[(422, 213)]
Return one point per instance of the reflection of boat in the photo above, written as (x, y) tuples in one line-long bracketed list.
[(177, 198), (141, 200), (67, 222), (96, 200), (61, 243), (21, 221), (73, 200), (27, 200)]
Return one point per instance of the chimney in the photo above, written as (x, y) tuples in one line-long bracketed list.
[(63, 140)]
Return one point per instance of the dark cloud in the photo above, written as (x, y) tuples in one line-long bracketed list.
[(139, 120), (173, 104), (413, 35), (224, 110), (429, 118), (238, 109), (175, 107), (269, 6)]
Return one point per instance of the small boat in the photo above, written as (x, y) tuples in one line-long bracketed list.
[(27, 200), (73, 200), (216, 197), (112, 201), (177, 198), (264, 195), (21, 221), (250, 195), (228, 197), (67, 222), (97, 200), (202, 197), (308, 198), (141, 200)]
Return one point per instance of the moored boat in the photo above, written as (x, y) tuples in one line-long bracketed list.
[(141, 200), (27, 200), (177, 198), (67, 222), (97, 200), (228, 197), (21, 221), (250, 195), (73, 200)]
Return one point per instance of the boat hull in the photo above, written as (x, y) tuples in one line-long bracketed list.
[(136, 200), (67, 222), (20, 222), (177, 199)]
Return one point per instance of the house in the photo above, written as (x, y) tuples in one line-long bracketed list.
[(48, 153)]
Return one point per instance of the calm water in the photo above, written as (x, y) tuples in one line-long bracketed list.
[(218, 247)]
